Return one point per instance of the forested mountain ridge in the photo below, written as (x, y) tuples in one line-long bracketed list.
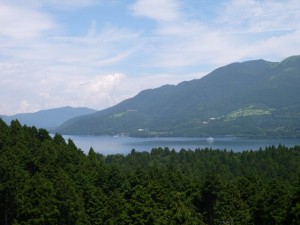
[(46, 180), (50, 118), (253, 98)]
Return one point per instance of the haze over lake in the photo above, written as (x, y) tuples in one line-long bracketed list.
[(123, 145)]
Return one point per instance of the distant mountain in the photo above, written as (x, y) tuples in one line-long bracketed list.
[(50, 118), (253, 98)]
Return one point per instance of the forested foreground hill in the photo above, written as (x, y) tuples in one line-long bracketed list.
[(45, 180)]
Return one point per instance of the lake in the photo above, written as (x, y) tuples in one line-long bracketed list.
[(123, 145)]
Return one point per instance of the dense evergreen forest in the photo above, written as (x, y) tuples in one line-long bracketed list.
[(46, 180)]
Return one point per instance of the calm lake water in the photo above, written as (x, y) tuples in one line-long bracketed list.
[(123, 145)]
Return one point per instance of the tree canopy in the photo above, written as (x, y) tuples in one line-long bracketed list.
[(47, 180)]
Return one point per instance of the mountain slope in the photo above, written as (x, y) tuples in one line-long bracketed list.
[(50, 118), (253, 98)]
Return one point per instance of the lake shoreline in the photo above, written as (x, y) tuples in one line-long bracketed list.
[(124, 144)]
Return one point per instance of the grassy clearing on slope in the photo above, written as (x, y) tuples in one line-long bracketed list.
[(248, 111)]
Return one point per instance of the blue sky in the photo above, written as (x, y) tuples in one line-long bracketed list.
[(96, 53)]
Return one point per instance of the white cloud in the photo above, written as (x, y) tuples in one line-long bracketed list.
[(22, 22), (67, 4), (25, 106), (241, 30), (95, 92), (44, 66), (261, 16), (190, 43), (167, 10), (264, 29), (41, 71), (96, 49), (57, 4), (45, 91), (276, 47)]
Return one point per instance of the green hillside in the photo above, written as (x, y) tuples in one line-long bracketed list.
[(253, 98), (49, 118)]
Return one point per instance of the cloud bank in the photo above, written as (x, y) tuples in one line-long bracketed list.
[(98, 53)]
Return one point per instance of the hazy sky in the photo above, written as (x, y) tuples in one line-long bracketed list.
[(96, 53)]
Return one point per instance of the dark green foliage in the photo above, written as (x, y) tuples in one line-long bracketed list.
[(36, 202), (45, 180)]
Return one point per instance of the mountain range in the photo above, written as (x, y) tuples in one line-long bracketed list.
[(50, 118), (254, 98)]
